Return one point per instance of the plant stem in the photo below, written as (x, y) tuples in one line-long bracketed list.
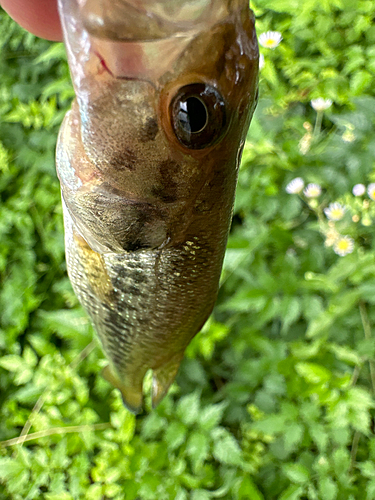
[(353, 452), (367, 331), (318, 124), (56, 430), (355, 375)]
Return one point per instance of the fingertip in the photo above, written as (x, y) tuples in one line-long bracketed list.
[(40, 17)]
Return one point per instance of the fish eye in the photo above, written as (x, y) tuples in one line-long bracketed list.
[(197, 113)]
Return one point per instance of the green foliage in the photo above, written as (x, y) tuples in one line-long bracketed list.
[(275, 398)]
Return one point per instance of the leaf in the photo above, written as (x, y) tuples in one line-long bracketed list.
[(294, 492), (290, 312), (328, 489), (226, 449), (345, 354), (319, 436), (341, 460), (197, 448), (12, 362), (62, 495), (200, 495), (293, 435), (360, 81), (313, 373), (153, 425), (367, 469), (10, 468), (248, 490), (211, 415), (271, 425), (188, 408), (175, 435), (297, 473)]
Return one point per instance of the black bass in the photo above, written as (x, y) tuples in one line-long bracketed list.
[(148, 159)]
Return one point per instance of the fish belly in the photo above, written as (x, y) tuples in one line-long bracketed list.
[(145, 306)]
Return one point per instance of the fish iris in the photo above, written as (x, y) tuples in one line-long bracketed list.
[(198, 116)]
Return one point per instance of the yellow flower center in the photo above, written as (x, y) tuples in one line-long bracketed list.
[(343, 245), (337, 213), (270, 42)]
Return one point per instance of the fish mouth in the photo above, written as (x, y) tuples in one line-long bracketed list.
[(150, 20), (140, 39), (136, 60)]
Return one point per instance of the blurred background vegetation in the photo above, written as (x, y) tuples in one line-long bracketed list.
[(275, 398)]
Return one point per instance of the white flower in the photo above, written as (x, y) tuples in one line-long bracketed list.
[(348, 136), (371, 191), (331, 237), (295, 186), (270, 39), (321, 104), (359, 189), (335, 211), (312, 190), (343, 245), (261, 61)]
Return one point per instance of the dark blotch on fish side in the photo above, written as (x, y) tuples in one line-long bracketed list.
[(149, 131), (167, 190), (123, 160)]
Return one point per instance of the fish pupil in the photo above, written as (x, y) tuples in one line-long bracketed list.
[(198, 115), (193, 115)]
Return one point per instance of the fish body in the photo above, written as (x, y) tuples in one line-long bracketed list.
[(148, 159)]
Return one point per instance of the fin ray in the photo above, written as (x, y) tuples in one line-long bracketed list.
[(163, 377), (132, 396)]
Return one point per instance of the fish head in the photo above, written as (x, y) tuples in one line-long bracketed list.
[(165, 93)]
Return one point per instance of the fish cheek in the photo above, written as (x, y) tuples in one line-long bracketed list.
[(149, 131), (166, 189), (119, 224)]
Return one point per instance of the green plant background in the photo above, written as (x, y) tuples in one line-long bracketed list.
[(275, 398)]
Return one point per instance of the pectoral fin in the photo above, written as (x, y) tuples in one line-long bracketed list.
[(132, 396), (163, 377)]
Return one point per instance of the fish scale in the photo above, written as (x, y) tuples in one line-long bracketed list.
[(148, 186)]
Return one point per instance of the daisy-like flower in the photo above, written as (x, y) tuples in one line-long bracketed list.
[(321, 104), (348, 136), (343, 245), (261, 61), (331, 237), (270, 39), (312, 191), (371, 191), (295, 186), (359, 189), (335, 211)]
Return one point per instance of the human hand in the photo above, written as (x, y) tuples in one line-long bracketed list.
[(40, 17)]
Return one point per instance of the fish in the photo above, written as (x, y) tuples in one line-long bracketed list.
[(148, 159)]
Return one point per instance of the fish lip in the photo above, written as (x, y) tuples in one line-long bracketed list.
[(151, 20)]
